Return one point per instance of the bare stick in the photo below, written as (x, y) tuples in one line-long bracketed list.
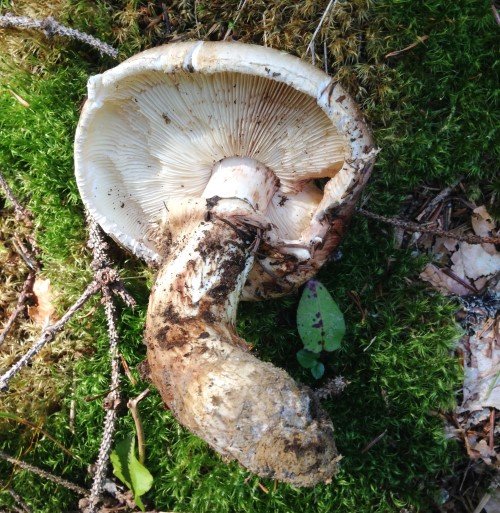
[(19, 500), (134, 410), (48, 334), (238, 14), (375, 441), (329, 7), (21, 212), (111, 284), (414, 227), (419, 40), (437, 199), (43, 473), (50, 27), (26, 293), (101, 263), (495, 12), (27, 254), (325, 55), (111, 404)]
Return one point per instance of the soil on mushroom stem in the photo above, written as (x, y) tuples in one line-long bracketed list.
[(428, 129)]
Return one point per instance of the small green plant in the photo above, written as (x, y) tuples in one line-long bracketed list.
[(321, 326), (130, 471)]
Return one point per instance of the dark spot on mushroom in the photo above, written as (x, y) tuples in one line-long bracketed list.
[(341, 98), (166, 119), (212, 202), (283, 200), (122, 204), (216, 401), (276, 74), (204, 334)]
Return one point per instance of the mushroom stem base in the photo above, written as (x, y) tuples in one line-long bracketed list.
[(242, 407)]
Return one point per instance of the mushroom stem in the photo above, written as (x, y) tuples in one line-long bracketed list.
[(244, 408)]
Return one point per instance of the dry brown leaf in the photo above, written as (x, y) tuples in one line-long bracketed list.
[(472, 261), (481, 369), (482, 223), (43, 313), (442, 282)]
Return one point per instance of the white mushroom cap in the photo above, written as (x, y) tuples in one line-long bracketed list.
[(154, 127)]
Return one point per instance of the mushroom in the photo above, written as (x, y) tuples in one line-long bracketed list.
[(234, 168)]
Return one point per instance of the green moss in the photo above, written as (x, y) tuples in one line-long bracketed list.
[(432, 111)]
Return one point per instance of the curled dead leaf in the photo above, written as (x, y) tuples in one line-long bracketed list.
[(44, 312), (443, 282)]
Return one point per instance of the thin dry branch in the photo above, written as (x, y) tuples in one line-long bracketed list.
[(415, 227), (438, 199), (50, 27), (420, 39), (111, 404), (20, 211), (113, 286), (48, 334), (237, 17), (28, 255), (19, 501), (310, 46), (494, 9), (43, 473), (132, 405), (26, 293)]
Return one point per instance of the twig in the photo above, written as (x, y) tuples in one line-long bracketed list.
[(29, 256), (26, 293), (492, 429), (19, 500), (48, 334), (126, 369), (414, 227), (166, 18), (238, 14), (197, 28), (43, 473), (325, 56), (437, 199), (101, 264), (36, 428), (50, 27), (462, 282), (111, 404), (420, 39), (134, 410), (264, 27), (310, 46), (495, 12), (482, 503), (20, 211), (376, 440), (110, 286)]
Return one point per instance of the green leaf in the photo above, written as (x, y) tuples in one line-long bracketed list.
[(307, 359), (319, 320), (318, 370), (128, 469)]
